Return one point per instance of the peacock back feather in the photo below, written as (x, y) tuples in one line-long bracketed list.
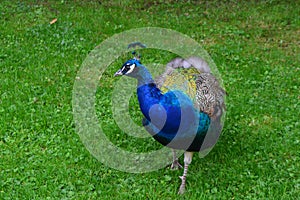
[(195, 81), (183, 79)]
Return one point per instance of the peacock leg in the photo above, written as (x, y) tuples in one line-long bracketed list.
[(175, 164), (187, 160)]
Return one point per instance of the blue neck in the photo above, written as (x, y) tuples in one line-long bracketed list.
[(143, 76), (148, 93)]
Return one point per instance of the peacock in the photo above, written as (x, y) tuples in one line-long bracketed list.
[(180, 107)]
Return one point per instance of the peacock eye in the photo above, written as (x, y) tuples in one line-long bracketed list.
[(127, 67)]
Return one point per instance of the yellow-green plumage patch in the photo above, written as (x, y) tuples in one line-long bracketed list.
[(182, 79)]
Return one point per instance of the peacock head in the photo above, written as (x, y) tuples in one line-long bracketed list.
[(133, 67), (129, 68)]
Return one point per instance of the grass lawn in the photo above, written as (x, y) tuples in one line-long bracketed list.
[(256, 46)]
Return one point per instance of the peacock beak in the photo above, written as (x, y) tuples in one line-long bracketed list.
[(119, 73)]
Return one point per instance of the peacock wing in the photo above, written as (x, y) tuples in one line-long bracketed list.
[(192, 76)]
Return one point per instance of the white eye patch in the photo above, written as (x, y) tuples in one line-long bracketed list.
[(128, 69)]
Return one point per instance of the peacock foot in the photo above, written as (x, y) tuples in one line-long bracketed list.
[(182, 186), (176, 165), (181, 189)]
